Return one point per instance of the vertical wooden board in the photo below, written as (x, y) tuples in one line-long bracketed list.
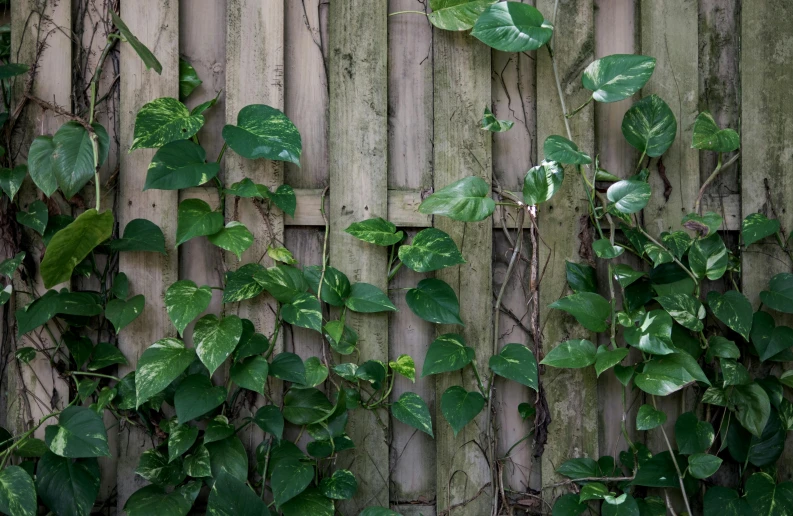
[(358, 191), (462, 148), (254, 75), (571, 394), (669, 34), (150, 274), (767, 129), (36, 389)]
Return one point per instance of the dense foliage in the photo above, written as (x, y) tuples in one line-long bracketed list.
[(682, 338)]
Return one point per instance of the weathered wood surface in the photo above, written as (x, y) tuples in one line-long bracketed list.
[(462, 90), (150, 274), (358, 178), (767, 129)]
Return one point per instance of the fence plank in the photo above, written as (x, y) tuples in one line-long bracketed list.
[(150, 274), (571, 394), (254, 75), (358, 186), (462, 148), (767, 129)]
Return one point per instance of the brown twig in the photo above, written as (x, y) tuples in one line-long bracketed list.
[(59, 110)]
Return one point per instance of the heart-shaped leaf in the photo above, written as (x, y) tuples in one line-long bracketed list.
[(74, 156), (766, 497), (605, 359), (234, 238), (571, 354), (179, 164), (73, 244), (435, 301), (456, 14), (459, 407), (512, 27), (184, 301), (693, 435), (604, 249), (188, 79), (215, 339), (80, 432), (306, 405), (17, 492), (493, 124), (284, 283), (335, 285), (685, 309), (35, 218), (104, 355), (283, 197), (447, 353), (708, 257), (311, 501), (270, 419), (11, 179), (752, 407), (708, 136), (721, 501), (162, 121), (304, 311), (733, 309), (542, 182), (625, 275), (703, 465), (66, 486), (342, 338), (41, 161), (289, 367), (120, 313), (756, 227), (377, 231), (430, 250), (405, 366), (705, 225), (153, 499), (465, 200), (648, 417), (140, 235), (251, 373), (663, 375), (517, 363), (581, 277), (51, 303), (180, 440), (558, 148), (650, 126), (232, 497), (9, 70), (196, 396), (264, 132), (367, 298), (591, 310), (411, 410), (159, 365), (779, 295), (617, 76), (629, 196), (196, 218), (341, 485)]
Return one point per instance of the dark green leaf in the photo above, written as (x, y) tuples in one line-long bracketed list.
[(140, 235), (36, 217), (517, 363), (339, 486), (512, 27), (366, 298), (304, 311), (229, 455), (67, 487), (289, 479), (283, 282), (316, 372), (306, 405), (756, 227), (311, 501), (251, 373), (179, 164), (708, 257), (582, 467), (603, 249), (705, 224), (720, 501), (760, 451), (188, 79), (9, 70), (231, 497), (693, 435), (447, 353), (154, 499), (80, 432), (430, 250), (196, 218), (120, 313), (677, 242), (605, 359), (74, 156), (766, 497), (542, 182), (650, 126), (411, 410), (335, 285), (465, 200), (752, 407), (779, 295), (733, 309), (708, 136), (270, 419), (568, 505), (435, 301), (51, 303), (649, 417), (629, 195), (145, 55), (617, 76), (241, 285), (283, 197), (703, 465), (288, 367), (342, 338), (11, 179), (264, 132), (685, 309), (562, 150), (625, 275), (9, 266), (591, 310), (196, 396), (17, 492), (581, 277), (571, 354), (180, 440), (459, 407)]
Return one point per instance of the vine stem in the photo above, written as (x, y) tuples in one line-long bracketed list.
[(674, 461), (407, 12), (719, 168), (659, 244), (324, 243), (111, 41)]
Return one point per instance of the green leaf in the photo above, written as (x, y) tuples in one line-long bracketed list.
[(264, 132), (430, 250), (752, 407), (372, 371), (154, 499), (568, 505), (512, 27), (232, 497), (581, 277), (456, 14), (251, 373), (708, 136), (703, 465), (435, 301), (74, 156), (311, 501), (708, 257), (121, 313), (760, 451), (335, 285), (779, 295), (215, 339), (579, 468), (685, 309), (234, 238), (9, 70), (306, 405), (51, 303), (73, 244), (184, 301), (188, 79), (459, 407), (663, 375), (766, 497), (9, 266), (366, 298), (36, 217), (411, 410), (593, 491), (304, 311), (733, 309), (154, 467), (143, 52), (284, 283), (562, 150), (693, 435), (241, 285), (162, 121), (80, 432), (159, 365), (339, 486), (653, 335), (11, 179), (465, 200), (650, 126), (270, 419), (288, 367), (283, 197), (720, 501), (617, 77), (316, 372), (282, 254), (17, 492), (649, 417), (140, 235), (447, 353), (605, 359), (493, 124), (341, 338), (591, 310), (629, 195), (196, 396), (180, 440), (42, 164), (517, 363), (571, 354), (603, 249), (405, 366), (377, 231), (704, 225), (659, 471), (179, 164), (756, 227), (289, 479), (542, 182), (196, 218), (677, 241), (722, 348), (67, 487)]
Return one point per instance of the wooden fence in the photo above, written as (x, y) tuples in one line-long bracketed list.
[(389, 109)]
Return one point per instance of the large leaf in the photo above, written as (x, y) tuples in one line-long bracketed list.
[(11, 179), (459, 407), (430, 250), (650, 126), (143, 52), (184, 301), (653, 335), (270, 419), (629, 195), (304, 311), (9, 70), (456, 14), (693, 435), (752, 407), (215, 339), (581, 277), (708, 257), (367, 298), (591, 310), (196, 218), (179, 164), (617, 76), (542, 182), (435, 301), (733, 309), (708, 136), (42, 165), (512, 27), (762, 450), (121, 313), (335, 285), (447, 353), (73, 244), (411, 410), (756, 227), (159, 365), (339, 486), (162, 121), (228, 455), (17, 492), (232, 497), (721, 501), (264, 132), (154, 467), (517, 363), (685, 308), (284, 283), (306, 405), (196, 396), (310, 501), (51, 303), (666, 374), (153, 499), (377, 231), (605, 359), (140, 235), (80, 432), (562, 150), (234, 237), (74, 156), (779, 295), (67, 487), (465, 200), (241, 285), (767, 498), (571, 354), (289, 367), (251, 373)]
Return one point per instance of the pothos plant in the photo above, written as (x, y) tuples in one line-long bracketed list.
[(684, 339)]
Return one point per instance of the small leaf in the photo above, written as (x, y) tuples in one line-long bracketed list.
[(459, 407), (733, 309), (121, 313), (629, 196), (411, 410), (241, 285), (140, 235), (9, 70), (591, 310), (162, 121), (215, 339), (605, 359), (304, 311), (184, 301), (73, 244), (756, 227), (650, 126), (435, 301), (159, 365), (281, 254), (625, 275), (693, 435), (465, 200), (456, 14), (779, 295), (648, 418), (405, 366), (366, 298), (430, 250), (617, 76), (36, 217), (703, 465), (11, 179), (705, 225), (708, 136), (283, 197), (493, 124), (377, 231), (104, 355), (558, 148), (512, 27), (234, 238), (264, 132), (708, 257), (571, 354), (9, 266), (515, 362), (447, 353), (603, 249), (179, 164), (188, 79), (341, 485), (288, 367), (542, 182), (196, 218), (143, 52)]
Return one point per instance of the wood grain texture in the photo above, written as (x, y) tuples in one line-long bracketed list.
[(767, 129), (571, 394), (254, 75), (150, 274), (358, 190), (462, 148)]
